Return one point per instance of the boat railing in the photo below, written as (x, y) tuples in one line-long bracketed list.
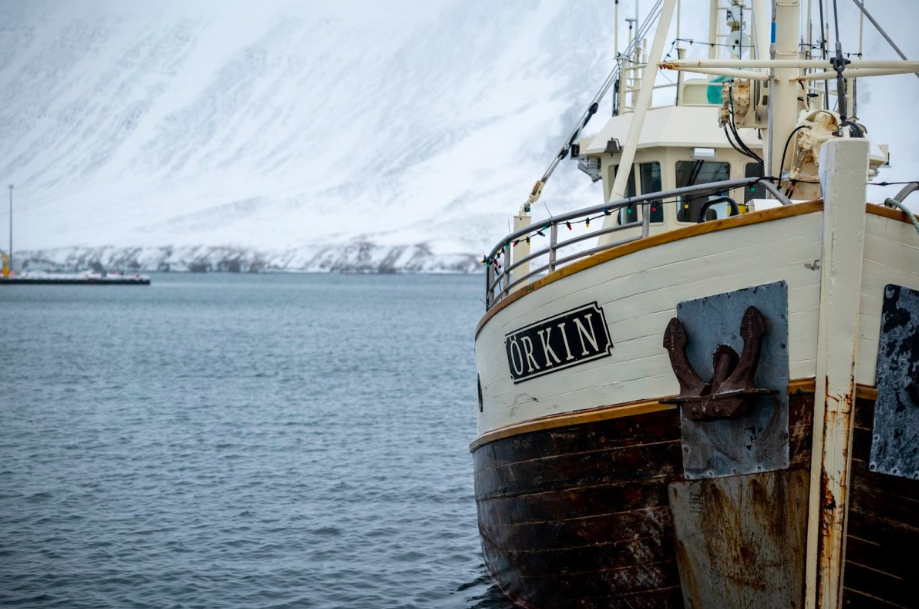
[(502, 267)]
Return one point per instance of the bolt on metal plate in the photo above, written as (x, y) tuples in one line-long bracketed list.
[(756, 441), (895, 442)]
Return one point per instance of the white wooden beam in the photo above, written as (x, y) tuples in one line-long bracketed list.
[(843, 174)]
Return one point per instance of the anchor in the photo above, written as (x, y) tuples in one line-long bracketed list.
[(732, 389)]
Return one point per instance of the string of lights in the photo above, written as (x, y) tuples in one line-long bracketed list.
[(709, 43), (817, 47), (629, 207)]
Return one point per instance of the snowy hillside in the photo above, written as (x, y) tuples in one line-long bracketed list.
[(294, 134)]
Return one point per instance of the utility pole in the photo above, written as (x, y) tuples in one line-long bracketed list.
[(10, 256)]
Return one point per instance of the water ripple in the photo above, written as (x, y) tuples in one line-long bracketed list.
[(205, 444)]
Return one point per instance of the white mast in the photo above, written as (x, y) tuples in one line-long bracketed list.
[(643, 102), (783, 91)]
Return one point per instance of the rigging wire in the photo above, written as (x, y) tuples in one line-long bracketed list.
[(563, 152), (822, 31), (878, 27), (836, 19)]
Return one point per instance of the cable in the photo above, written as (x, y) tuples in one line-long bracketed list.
[(740, 142), (727, 135), (822, 32), (785, 149), (878, 27)]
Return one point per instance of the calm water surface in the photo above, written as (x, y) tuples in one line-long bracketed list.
[(240, 441)]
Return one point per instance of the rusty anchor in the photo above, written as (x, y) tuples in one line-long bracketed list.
[(732, 388)]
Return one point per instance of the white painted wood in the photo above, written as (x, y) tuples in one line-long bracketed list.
[(639, 293), (891, 256), (843, 174)]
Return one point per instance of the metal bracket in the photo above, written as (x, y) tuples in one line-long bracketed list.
[(749, 433), (730, 392), (896, 413)]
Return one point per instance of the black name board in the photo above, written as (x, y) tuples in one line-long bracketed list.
[(570, 338)]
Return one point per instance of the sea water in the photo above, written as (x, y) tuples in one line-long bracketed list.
[(240, 441)]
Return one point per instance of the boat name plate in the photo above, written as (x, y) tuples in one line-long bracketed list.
[(558, 342)]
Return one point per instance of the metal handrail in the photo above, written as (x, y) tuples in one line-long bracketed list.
[(504, 280), (597, 233), (527, 276), (594, 250)]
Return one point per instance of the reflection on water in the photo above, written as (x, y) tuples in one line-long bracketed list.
[(240, 441)]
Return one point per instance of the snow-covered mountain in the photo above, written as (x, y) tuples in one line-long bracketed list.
[(295, 134)]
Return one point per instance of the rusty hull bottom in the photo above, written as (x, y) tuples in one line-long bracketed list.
[(580, 516)]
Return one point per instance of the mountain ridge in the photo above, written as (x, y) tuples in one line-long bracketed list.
[(289, 129)]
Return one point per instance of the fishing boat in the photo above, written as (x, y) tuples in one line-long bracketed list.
[(702, 392)]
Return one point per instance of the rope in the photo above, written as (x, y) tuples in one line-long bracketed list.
[(901, 207)]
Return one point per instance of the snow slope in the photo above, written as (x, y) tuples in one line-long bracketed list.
[(291, 134)]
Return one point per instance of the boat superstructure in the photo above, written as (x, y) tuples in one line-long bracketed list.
[(701, 392)]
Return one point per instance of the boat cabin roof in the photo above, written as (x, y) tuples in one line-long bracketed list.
[(669, 126)]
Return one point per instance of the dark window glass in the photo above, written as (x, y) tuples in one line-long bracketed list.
[(651, 182), (691, 173), (753, 170), (630, 213)]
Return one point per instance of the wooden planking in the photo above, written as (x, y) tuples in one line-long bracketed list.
[(622, 427), (574, 503), (654, 241), (800, 422), (572, 470), (621, 553), (576, 532), (577, 516), (572, 418), (888, 213), (634, 276), (632, 586), (638, 304), (891, 256), (625, 365), (882, 544)]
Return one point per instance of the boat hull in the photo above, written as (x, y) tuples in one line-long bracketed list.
[(579, 515), (578, 472)]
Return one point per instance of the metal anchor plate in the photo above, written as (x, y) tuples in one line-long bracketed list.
[(732, 390), (755, 436), (895, 442)]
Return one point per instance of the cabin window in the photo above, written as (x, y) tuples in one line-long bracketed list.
[(691, 173), (651, 182), (756, 191), (630, 213)]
